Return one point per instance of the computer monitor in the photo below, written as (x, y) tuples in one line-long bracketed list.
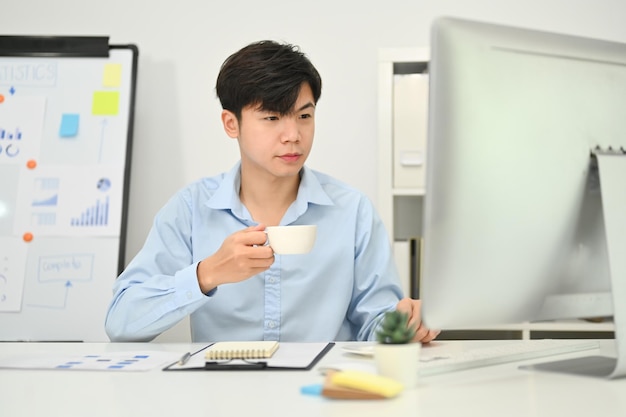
[(514, 220)]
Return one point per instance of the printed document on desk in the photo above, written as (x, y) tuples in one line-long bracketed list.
[(289, 356), (97, 361)]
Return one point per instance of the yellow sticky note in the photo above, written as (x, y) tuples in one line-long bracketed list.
[(112, 76), (368, 382), (105, 103)]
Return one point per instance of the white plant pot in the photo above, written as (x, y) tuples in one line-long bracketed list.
[(399, 362)]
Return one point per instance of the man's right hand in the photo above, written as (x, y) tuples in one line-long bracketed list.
[(242, 255)]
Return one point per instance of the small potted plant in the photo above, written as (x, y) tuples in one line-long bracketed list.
[(394, 328), (396, 355)]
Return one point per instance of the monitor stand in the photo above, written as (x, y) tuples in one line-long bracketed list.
[(612, 170)]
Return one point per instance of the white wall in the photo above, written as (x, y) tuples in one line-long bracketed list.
[(178, 136)]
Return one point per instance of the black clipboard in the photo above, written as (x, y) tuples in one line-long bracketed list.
[(309, 355)]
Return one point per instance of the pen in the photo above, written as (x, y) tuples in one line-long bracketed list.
[(184, 359)]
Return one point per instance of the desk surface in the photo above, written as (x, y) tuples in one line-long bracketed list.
[(501, 390)]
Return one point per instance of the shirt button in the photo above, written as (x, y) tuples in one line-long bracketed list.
[(271, 324), (271, 280), (189, 295)]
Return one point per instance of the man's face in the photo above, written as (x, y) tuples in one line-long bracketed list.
[(273, 144)]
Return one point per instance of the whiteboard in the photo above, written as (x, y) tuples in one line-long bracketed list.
[(66, 118)]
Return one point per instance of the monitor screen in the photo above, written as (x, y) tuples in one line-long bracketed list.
[(513, 216)]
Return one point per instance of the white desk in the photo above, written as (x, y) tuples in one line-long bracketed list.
[(501, 390)]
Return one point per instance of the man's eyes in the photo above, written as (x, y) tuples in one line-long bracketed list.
[(300, 116)]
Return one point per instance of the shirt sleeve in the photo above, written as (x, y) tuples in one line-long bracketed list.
[(377, 282), (159, 287)]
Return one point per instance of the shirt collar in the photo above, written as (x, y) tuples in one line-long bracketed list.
[(310, 191), (226, 195)]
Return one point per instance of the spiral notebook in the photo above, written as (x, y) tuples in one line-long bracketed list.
[(241, 350)]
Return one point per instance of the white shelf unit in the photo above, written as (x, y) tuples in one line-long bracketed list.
[(387, 58), (401, 208)]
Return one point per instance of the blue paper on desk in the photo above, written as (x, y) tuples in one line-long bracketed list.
[(109, 361)]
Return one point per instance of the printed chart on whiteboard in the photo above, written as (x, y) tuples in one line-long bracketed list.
[(65, 142)]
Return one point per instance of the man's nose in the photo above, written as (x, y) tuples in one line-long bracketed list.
[(291, 130)]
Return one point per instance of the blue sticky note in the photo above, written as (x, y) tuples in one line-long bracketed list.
[(315, 389), (69, 125)]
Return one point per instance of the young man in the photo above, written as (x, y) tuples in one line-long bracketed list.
[(206, 257)]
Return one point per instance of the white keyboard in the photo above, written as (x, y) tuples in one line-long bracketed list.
[(440, 361)]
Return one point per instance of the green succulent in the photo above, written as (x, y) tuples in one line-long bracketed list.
[(394, 328)]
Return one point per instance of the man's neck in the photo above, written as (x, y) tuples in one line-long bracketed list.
[(267, 201)]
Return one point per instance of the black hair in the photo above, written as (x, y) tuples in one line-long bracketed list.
[(268, 74)]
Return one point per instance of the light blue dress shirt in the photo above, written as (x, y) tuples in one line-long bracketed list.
[(335, 292)]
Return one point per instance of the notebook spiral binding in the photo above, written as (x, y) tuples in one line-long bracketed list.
[(237, 354), (598, 150)]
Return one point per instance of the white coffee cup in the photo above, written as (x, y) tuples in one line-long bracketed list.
[(289, 240)]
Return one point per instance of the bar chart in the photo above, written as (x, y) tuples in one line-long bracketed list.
[(95, 215)]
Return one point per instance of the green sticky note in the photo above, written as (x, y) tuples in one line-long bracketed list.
[(105, 103)]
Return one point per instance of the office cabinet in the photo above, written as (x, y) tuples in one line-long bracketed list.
[(402, 115)]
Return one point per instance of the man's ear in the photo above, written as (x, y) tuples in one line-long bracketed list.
[(231, 124)]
